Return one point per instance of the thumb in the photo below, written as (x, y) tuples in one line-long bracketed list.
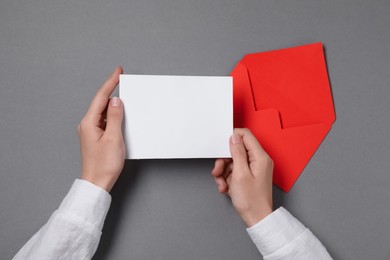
[(114, 117), (238, 152)]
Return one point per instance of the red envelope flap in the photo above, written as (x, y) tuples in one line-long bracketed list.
[(290, 148), (294, 81)]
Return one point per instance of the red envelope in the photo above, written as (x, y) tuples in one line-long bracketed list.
[(284, 98)]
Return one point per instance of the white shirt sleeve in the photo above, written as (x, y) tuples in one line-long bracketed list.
[(74, 229), (281, 236)]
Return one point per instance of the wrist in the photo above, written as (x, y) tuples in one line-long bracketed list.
[(250, 218), (102, 182)]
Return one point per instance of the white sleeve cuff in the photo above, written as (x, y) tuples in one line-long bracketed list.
[(87, 201), (275, 231)]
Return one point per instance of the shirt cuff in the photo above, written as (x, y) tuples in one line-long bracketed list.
[(275, 231), (87, 201)]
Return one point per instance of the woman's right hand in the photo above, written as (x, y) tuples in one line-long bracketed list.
[(247, 177)]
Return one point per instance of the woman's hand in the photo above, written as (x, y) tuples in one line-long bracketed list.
[(101, 141), (247, 177)]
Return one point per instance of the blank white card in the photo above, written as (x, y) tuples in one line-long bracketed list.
[(176, 116)]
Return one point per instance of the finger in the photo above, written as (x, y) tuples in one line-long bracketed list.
[(228, 170), (219, 167), (99, 102), (222, 185), (239, 155), (114, 117), (228, 160), (228, 180), (251, 144)]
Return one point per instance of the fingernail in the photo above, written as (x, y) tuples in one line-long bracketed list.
[(236, 139), (115, 102)]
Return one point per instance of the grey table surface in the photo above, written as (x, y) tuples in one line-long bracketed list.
[(54, 55)]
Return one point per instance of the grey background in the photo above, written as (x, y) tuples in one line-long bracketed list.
[(54, 55)]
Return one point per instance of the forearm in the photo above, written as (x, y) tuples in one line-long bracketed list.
[(73, 231), (281, 236)]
